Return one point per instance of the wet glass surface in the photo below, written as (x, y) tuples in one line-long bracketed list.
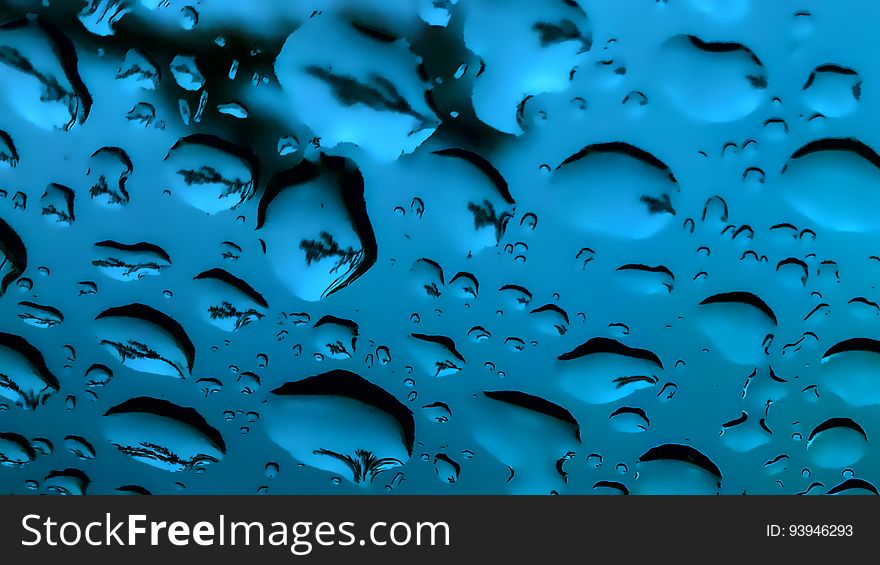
[(439, 246)]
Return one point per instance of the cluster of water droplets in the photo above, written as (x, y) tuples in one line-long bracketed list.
[(438, 246)]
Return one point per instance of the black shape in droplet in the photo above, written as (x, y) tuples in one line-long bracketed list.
[(853, 484), (853, 344), (536, 404), (684, 453), (838, 423), (630, 410), (608, 345), (737, 421), (849, 144), (743, 298), (134, 489), (621, 148), (647, 268), (612, 485)]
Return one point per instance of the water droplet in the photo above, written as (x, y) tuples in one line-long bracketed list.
[(162, 434), (341, 423), (186, 72)]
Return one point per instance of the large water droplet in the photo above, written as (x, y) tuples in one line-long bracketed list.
[(38, 71), (15, 450), (375, 101), (712, 81), (341, 423), (146, 340), (210, 173), (529, 434), (528, 48), (738, 325), (833, 90), (24, 377), (126, 262), (604, 370), (833, 183), (227, 301), (162, 434), (613, 189), (836, 443), (316, 230)]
